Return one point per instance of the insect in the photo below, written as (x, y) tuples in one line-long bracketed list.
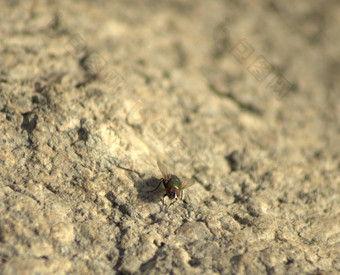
[(172, 184)]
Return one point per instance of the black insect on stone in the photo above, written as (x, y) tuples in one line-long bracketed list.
[(172, 184)]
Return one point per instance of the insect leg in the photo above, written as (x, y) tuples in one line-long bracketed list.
[(160, 181), (172, 203)]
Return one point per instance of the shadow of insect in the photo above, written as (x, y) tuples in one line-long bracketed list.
[(145, 187)]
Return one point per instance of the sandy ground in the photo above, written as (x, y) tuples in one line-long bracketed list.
[(240, 96)]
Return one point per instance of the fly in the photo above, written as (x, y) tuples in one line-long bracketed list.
[(172, 184)]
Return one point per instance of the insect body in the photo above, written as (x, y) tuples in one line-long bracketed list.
[(172, 184)]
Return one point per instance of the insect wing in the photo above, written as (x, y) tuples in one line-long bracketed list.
[(186, 183), (164, 170)]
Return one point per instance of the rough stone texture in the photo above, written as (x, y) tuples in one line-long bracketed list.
[(93, 93)]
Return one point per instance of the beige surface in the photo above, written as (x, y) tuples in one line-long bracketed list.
[(242, 96)]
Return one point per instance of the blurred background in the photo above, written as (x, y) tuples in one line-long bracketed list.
[(239, 96)]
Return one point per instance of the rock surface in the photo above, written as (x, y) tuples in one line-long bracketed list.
[(241, 96)]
